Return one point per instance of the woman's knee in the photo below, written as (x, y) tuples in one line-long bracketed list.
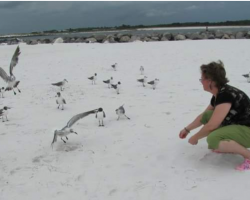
[(213, 141)]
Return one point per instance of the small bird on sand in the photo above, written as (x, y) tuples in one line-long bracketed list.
[(100, 115), (60, 84), (109, 82), (93, 78), (143, 80), (247, 76), (4, 112), (154, 83), (60, 100), (117, 87), (142, 70), (2, 91), (114, 66)]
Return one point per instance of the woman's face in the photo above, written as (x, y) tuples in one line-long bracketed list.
[(206, 83)]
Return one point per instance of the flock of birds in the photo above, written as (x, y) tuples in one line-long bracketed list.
[(12, 85)]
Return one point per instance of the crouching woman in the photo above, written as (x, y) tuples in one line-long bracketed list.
[(226, 120)]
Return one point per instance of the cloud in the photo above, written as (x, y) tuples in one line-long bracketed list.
[(159, 13), (10, 4), (192, 7), (48, 7), (36, 7), (25, 17)]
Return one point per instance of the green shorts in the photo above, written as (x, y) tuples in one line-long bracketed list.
[(237, 133)]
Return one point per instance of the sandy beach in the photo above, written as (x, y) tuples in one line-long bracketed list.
[(137, 159)]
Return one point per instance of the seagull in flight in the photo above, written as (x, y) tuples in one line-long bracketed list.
[(67, 129), (60, 84), (121, 112), (11, 79)]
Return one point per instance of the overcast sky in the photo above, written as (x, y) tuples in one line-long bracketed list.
[(25, 17)]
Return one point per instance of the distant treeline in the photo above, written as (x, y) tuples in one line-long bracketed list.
[(126, 27)]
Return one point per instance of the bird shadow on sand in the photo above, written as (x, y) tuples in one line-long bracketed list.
[(67, 147)]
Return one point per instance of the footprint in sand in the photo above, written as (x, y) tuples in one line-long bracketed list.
[(37, 159), (111, 192)]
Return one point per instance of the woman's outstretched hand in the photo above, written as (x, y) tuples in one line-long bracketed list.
[(183, 134)]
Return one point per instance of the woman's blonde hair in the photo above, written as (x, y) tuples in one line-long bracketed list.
[(216, 72)]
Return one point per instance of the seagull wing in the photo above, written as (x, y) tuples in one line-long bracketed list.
[(58, 84), (246, 75), (64, 101), (107, 81), (122, 109), (4, 75), (14, 60), (151, 82), (114, 86), (79, 116), (54, 139)]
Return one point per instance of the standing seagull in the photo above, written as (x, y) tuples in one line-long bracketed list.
[(114, 66), (117, 87), (60, 100), (61, 84), (109, 82), (2, 92), (247, 76), (4, 112), (121, 112), (67, 129), (11, 80), (100, 114), (142, 70), (93, 78), (154, 83), (143, 80)]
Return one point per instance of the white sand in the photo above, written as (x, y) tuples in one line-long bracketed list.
[(140, 159)]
